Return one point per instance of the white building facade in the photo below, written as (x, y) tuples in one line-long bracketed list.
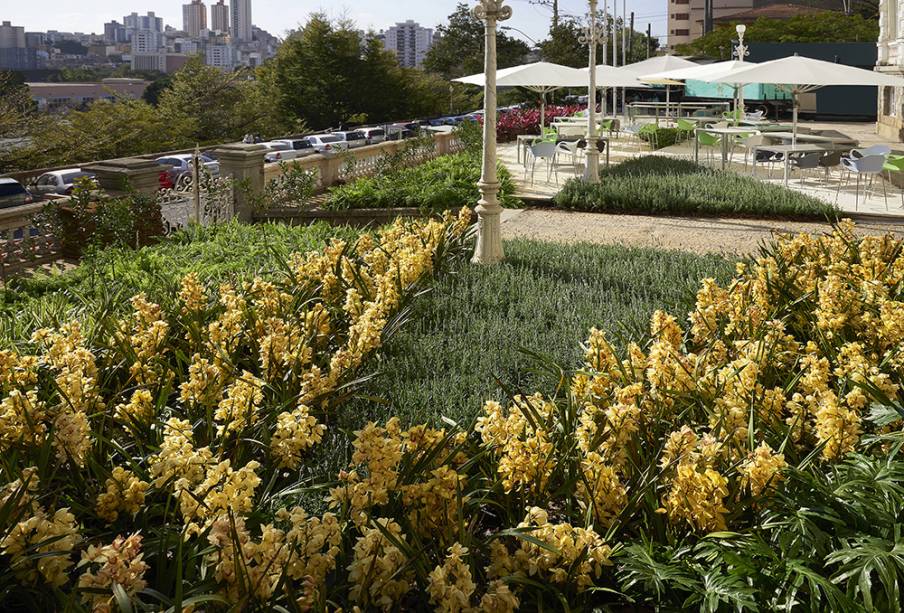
[(890, 123), (410, 42)]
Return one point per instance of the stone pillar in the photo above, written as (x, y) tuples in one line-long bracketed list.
[(118, 177), (489, 230), (591, 153), (245, 164)]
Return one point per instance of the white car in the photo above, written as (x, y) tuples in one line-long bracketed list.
[(301, 146), (328, 143), (181, 165), (279, 151), (354, 138), (58, 182), (373, 136)]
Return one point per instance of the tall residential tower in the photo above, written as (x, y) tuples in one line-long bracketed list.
[(410, 42), (240, 11), (194, 18), (219, 17)]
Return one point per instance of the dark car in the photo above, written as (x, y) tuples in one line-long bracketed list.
[(12, 193)]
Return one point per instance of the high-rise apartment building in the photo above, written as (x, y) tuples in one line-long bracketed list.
[(410, 42), (14, 53), (143, 22), (240, 11), (11, 37), (219, 17), (115, 32), (194, 18)]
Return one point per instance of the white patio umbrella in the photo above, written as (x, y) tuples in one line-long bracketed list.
[(658, 64), (539, 77), (708, 72), (803, 74)]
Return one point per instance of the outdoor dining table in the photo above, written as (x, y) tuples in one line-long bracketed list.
[(723, 132), (815, 138), (787, 150)]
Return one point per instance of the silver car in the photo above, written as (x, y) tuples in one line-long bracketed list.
[(58, 181), (181, 165)]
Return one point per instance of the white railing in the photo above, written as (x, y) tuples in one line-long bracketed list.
[(23, 243)]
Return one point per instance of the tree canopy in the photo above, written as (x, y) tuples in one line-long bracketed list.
[(826, 27), (458, 47), (564, 46)]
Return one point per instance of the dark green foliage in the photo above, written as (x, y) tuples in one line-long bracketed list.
[(655, 184), (473, 326), (445, 182), (661, 137), (108, 278)]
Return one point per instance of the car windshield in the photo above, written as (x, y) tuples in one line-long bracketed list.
[(329, 139), (70, 177), (377, 133), (301, 144), (278, 146), (207, 159), (354, 135), (11, 189)]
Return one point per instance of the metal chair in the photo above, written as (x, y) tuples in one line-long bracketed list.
[(805, 161), (572, 150), (749, 143), (829, 160), (710, 142), (543, 151), (685, 129), (870, 165), (895, 163)]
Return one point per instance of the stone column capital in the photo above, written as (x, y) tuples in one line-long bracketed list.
[(492, 10)]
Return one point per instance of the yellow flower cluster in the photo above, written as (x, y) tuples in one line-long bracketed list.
[(762, 469), (120, 564), (40, 547), (378, 573), (296, 432), (125, 493), (145, 334), (451, 584)]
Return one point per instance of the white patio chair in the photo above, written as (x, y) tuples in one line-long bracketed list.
[(869, 165), (572, 150), (543, 151)]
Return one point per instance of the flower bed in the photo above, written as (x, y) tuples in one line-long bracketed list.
[(513, 123), (657, 184), (749, 461)]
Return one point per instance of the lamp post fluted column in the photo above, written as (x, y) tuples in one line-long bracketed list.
[(489, 232), (742, 52), (591, 38)]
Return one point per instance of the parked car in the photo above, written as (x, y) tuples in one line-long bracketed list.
[(402, 130), (181, 165), (58, 181), (374, 136), (354, 138), (12, 193), (301, 146), (327, 143), (278, 151)]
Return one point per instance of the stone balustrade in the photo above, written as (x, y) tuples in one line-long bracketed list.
[(24, 243)]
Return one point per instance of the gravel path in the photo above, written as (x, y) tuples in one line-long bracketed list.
[(699, 235)]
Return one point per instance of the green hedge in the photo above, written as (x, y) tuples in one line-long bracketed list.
[(445, 182), (656, 184)]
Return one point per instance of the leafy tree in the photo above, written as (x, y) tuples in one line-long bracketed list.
[(158, 86), (203, 104), (18, 121), (563, 45), (828, 26), (458, 48), (325, 76)]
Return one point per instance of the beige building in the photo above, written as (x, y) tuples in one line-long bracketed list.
[(194, 18), (890, 123), (686, 17), (219, 17)]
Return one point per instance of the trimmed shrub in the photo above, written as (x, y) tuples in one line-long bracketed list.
[(657, 184)]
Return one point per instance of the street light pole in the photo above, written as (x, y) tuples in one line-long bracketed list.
[(591, 37), (742, 52), (489, 232)]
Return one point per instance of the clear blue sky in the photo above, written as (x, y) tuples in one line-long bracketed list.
[(277, 16)]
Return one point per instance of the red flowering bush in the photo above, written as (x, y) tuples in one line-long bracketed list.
[(511, 124)]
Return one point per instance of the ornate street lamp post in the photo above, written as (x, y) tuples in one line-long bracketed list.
[(742, 52), (591, 37), (489, 233)]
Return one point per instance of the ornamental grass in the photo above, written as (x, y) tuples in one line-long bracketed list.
[(744, 458)]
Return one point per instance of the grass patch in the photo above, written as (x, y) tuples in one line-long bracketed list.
[(655, 184), (470, 329), (107, 278)]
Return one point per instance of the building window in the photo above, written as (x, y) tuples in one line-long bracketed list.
[(682, 32), (889, 101), (681, 16), (682, 1)]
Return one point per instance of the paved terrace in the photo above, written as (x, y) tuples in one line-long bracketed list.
[(624, 147)]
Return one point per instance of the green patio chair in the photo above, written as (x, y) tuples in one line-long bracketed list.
[(894, 163), (709, 141), (550, 135), (606, 126), (685, 128), (650, 133)]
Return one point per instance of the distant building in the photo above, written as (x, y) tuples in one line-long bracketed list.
[(194, 18), (35, 40), (143, 22), (410, 42), (60, 96), (115, 32), (219, 17), (14, 53), (220, 56), (146, 41), (149, 61), (240, 12)]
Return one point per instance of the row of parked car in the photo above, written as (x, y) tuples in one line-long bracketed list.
[(61, 182)]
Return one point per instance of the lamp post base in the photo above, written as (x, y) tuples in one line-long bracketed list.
[(592, 165), (489, 228)]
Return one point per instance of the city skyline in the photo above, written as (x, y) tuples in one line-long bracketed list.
[(279, 16)]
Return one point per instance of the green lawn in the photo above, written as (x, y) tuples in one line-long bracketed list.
[(470, 330)]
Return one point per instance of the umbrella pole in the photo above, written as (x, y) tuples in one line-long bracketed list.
[(740, 109), (542, 112), (668, 103), (794, 104)]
